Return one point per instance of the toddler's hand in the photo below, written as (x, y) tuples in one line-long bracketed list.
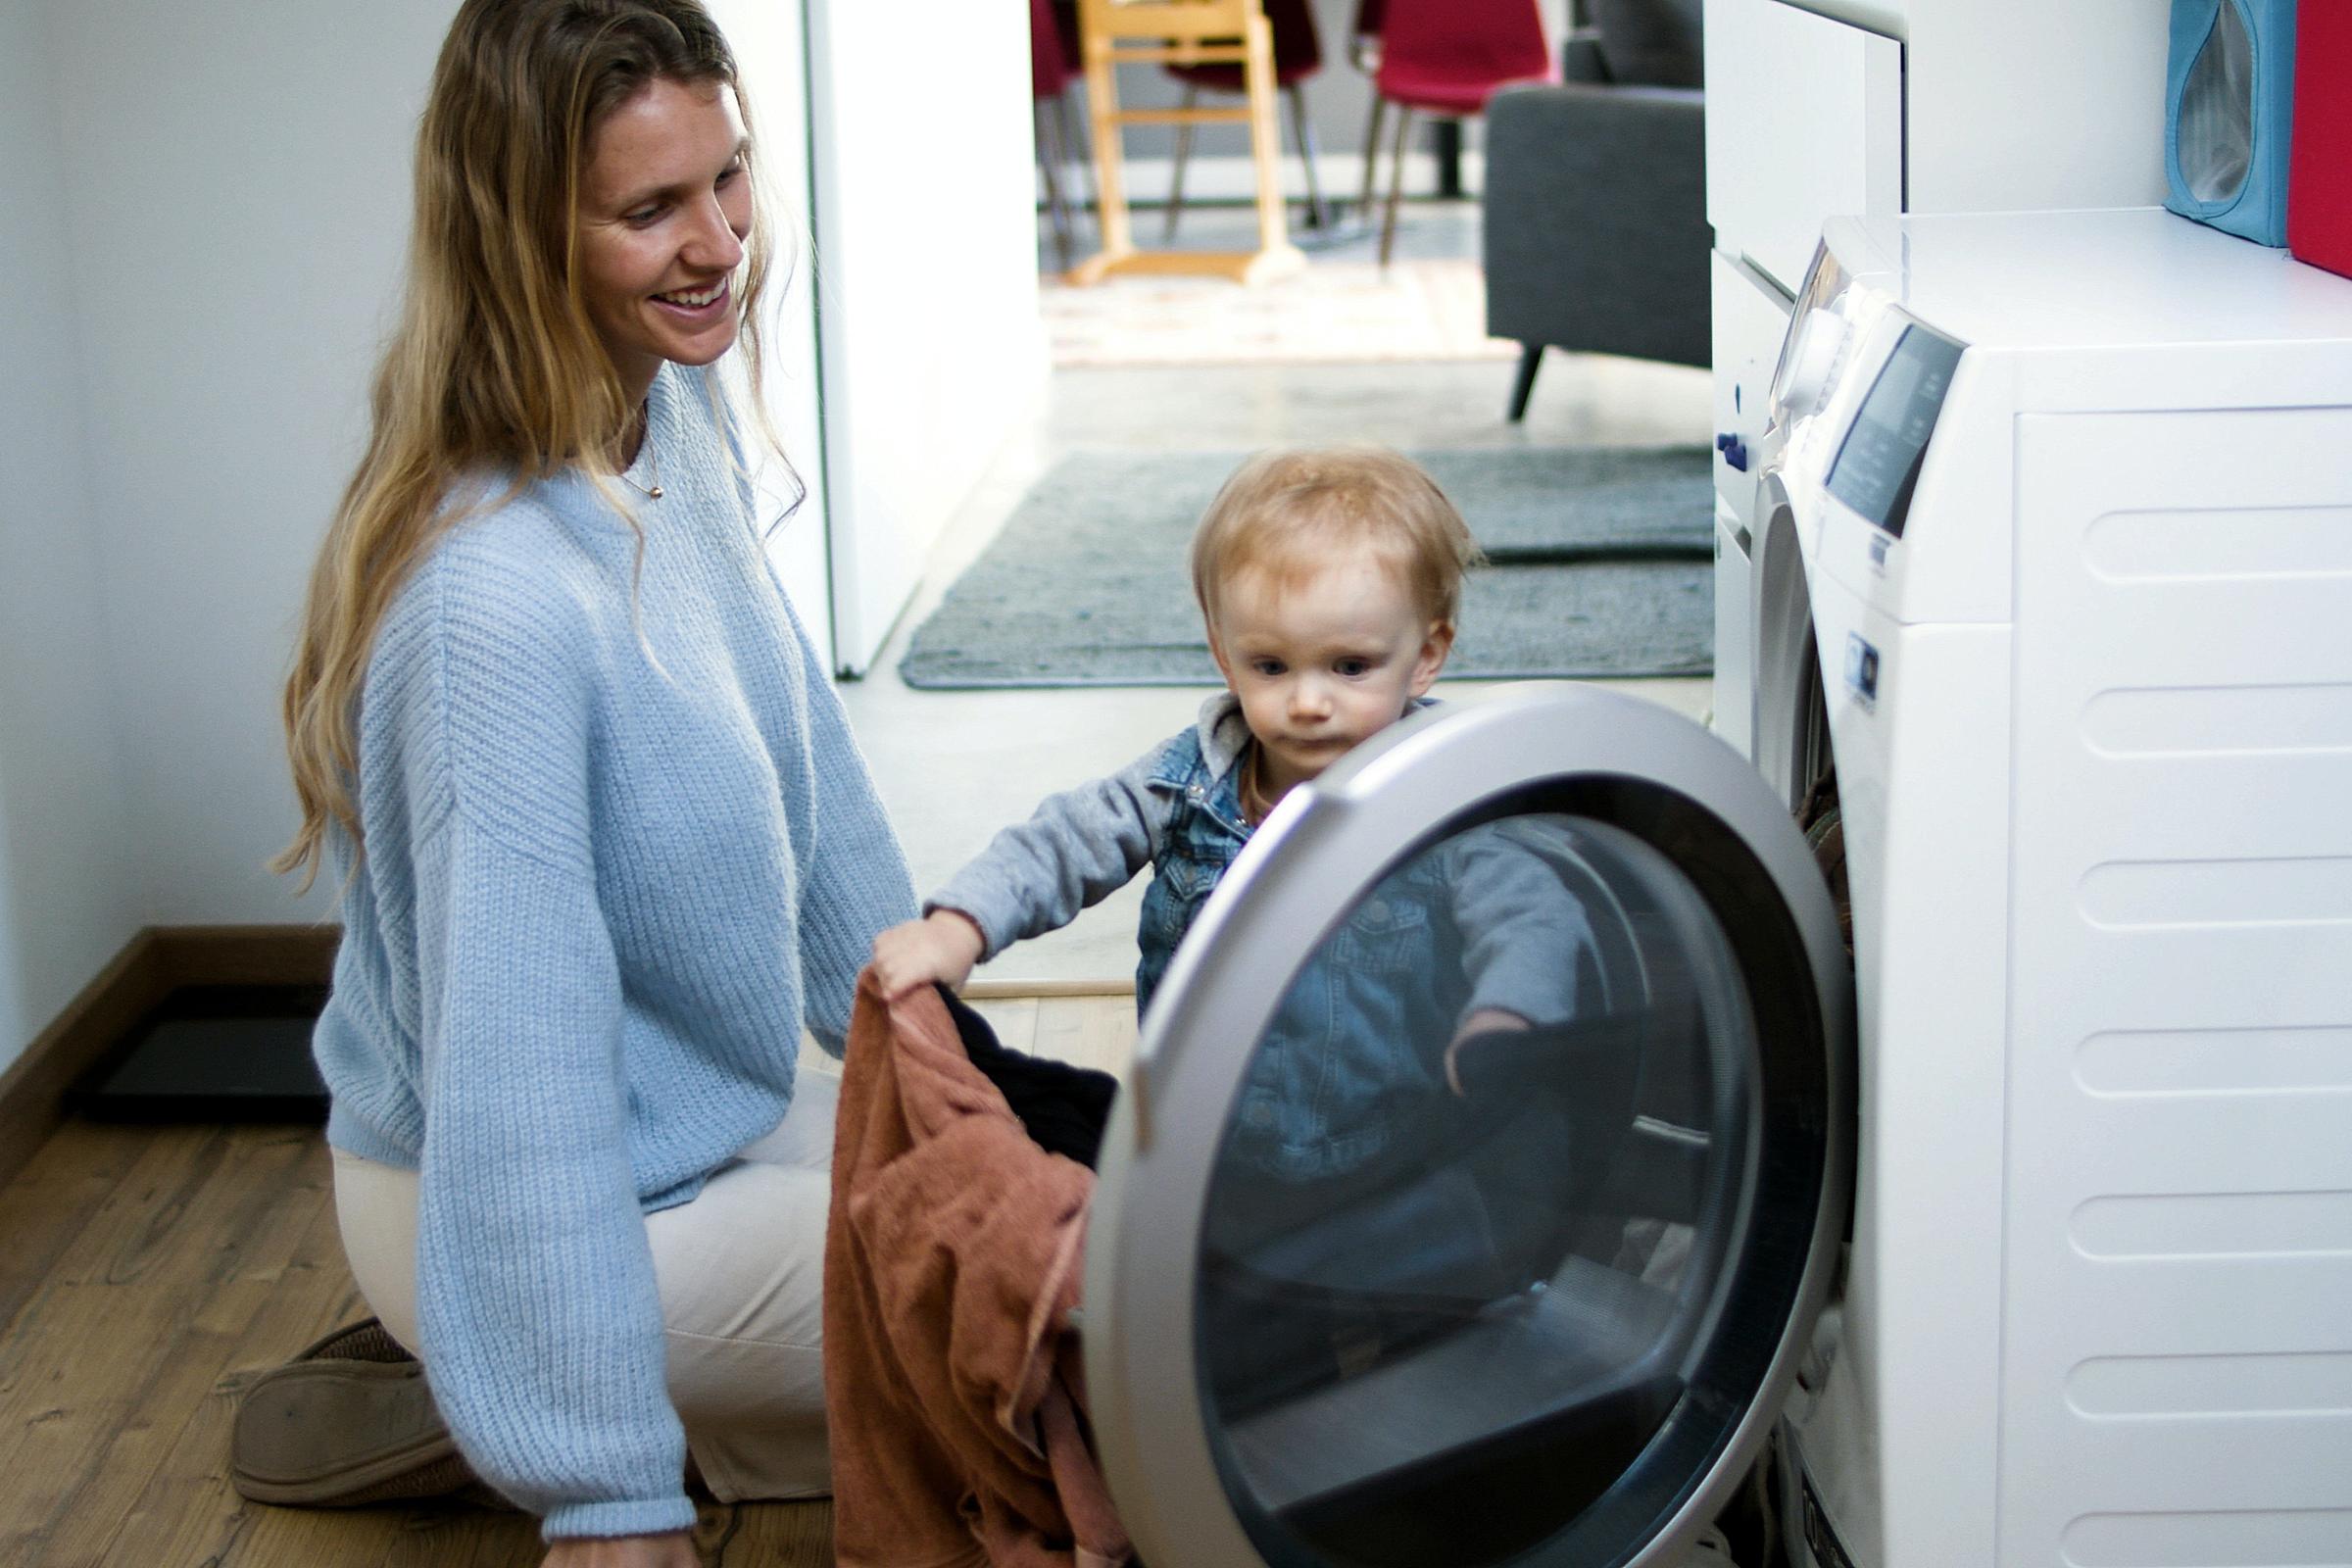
[(943, 946)]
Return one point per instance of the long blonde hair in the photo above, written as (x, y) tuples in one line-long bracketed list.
[(495, 361)]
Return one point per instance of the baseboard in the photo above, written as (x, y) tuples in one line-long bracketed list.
[(150, 967), (161, 958), (1013, 990)]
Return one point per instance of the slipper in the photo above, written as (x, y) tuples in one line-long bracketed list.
[(346, 1422)]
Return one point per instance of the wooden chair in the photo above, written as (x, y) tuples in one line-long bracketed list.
[(1298, 55), (1182, 32)]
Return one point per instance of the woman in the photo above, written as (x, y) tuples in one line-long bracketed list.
[(603, 837)]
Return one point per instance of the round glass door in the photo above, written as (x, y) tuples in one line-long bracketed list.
[(1512, 1193)]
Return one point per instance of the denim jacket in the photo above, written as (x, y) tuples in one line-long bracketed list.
[(1474, 922)]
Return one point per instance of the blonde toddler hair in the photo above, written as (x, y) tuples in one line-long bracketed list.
[(1293, 510)]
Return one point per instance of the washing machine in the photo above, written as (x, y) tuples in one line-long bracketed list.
[(2053, 562), (2021, 1237)]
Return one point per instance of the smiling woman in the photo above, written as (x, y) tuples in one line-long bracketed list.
[(603, 842)]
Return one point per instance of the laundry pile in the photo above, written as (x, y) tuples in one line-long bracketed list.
[(962, 1176)]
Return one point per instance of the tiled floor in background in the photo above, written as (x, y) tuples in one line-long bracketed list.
[(954, 766), (1344, 308)]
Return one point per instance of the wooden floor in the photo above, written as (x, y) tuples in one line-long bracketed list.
[(146, 1273)]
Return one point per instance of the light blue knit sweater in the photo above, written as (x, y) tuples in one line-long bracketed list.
[(598, 899)]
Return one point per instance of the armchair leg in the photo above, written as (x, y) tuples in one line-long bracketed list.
[(1531, 358), (1184, 152)]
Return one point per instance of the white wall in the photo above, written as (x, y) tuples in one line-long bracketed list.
[(2021, 104), (927, 257), (67, 867), (771, 47), (236, 217), (2088, 78)]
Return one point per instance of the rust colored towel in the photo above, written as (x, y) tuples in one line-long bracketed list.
[(952, 1263)]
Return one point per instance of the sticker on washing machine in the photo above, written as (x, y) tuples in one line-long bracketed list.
[(1861, 670)]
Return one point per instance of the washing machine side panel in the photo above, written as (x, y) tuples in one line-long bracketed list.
[(1923, 779), (2180, 1191)]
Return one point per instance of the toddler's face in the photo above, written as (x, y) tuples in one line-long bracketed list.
[(1321, 660)]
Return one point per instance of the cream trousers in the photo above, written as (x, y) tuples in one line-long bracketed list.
[(741, 1275)]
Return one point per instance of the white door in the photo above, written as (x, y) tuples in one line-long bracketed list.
[(926, 269), (770, 45), (1348, 1305)]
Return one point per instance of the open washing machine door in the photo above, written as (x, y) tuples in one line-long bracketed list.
[(1365, 1286)]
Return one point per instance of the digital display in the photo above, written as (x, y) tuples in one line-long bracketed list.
[(1877, 464)]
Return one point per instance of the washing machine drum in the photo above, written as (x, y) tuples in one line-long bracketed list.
[(1482, 1158)]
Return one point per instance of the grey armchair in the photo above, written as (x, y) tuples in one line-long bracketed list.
[(1595, 210)]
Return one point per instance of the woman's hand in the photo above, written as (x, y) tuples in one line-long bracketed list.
[(673, 1550), (943, 946)]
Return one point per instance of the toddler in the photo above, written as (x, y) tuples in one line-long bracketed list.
[(1328, 581)]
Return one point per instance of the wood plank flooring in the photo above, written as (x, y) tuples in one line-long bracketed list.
[(147, 1273)]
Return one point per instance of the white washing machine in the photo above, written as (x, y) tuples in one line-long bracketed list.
[(2070, 498), (2054, 568)]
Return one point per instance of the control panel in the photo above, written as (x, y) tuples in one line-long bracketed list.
[(1877, 462)]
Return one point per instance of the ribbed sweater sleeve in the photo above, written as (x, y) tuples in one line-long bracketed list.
[(536, 1292), (1076, 849), (858, 882)]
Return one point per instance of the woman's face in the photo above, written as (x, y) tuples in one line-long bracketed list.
[(664, 208)]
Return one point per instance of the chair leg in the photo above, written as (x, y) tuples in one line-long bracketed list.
[(1531, 358), (1183, 151), (1070, 149), (1045, 166), (1387, 220), (1371, 153), (1303, 129)]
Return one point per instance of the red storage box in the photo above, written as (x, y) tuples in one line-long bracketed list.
[(2318, 170)]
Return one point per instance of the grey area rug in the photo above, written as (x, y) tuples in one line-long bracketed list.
[(1601, 567)]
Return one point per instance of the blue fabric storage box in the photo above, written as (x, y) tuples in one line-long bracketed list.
[(2230, 96)]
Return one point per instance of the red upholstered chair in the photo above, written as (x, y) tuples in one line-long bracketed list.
[(1445, 57), (1298, 55), (1053, 66)]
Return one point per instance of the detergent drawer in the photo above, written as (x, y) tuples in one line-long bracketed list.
[(1477, 1179)]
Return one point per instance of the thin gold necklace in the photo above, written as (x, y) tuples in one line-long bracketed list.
[(653, 456)]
